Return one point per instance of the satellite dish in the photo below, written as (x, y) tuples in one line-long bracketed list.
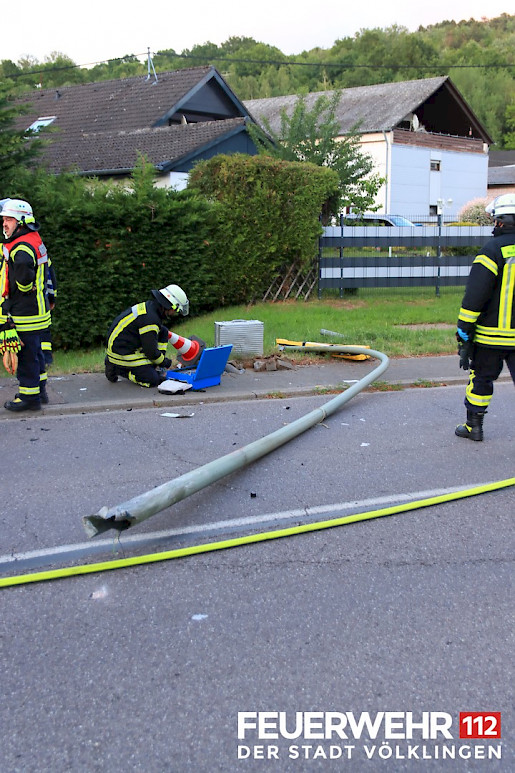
[(415, 123)]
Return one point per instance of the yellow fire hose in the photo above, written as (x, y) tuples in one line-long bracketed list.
[(210, 547)]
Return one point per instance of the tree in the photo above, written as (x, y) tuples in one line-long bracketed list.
[(17, 148), (509, 137), (314, 136)]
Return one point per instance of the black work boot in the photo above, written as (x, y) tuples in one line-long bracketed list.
[(18, 405), (473, 427), (43, 395), (110, 371)]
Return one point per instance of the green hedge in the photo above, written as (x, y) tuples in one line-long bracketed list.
[(268, 217), (110, 248), (223, 239)]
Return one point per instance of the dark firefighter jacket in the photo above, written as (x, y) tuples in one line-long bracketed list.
[(489, 300), (24, 277), (137, 337)]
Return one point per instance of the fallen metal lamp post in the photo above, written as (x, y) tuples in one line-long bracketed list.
[(145, 505)]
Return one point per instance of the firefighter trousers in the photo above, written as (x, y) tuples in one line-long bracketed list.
[(485, 368), (31, 373)]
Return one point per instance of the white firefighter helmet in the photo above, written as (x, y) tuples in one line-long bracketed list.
[(173, 297), (19, 209), (502, 205)]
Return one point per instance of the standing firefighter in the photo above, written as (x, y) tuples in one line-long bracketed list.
[(486, 322), (137, 339), (25, 311)]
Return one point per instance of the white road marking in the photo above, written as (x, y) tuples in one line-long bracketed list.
[(234, 523)]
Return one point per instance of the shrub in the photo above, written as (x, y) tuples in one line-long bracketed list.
[(111, 247), (268, 217), (474, 212)]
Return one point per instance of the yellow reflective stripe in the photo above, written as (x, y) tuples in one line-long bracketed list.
[(24, 288), (122, 324), (507, 292), (481, 401), (488, 263), (28, 324), (493, 331), (3, 277), (149, 329), (468, 316), (29, 319), (24, 248), (29, 390), (128, 360), (503, 342), (41, 290), (134, 380)]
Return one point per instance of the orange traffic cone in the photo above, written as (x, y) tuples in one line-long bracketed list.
[(189, 350)]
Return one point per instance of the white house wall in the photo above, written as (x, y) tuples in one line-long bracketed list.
[(378, 147), (415, 188), (412, 188)]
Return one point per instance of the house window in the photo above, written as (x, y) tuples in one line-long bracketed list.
[(435, 166), (45, 120)]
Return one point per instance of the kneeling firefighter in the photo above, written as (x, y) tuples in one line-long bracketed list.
[(137, 339)]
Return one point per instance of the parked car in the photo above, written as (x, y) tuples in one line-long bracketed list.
[(376, 219)]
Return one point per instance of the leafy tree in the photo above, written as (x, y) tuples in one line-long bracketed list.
[(314, 136), (487, 92), (17, 148), (509, 137)]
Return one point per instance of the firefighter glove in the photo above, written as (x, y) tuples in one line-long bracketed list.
[(9, 339), (166, 363), (465, 331), (465, 354)]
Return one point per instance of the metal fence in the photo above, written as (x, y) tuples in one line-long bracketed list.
[(367, 256)]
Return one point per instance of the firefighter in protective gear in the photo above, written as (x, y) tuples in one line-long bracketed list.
[(24, 300), (137, 339), (486, 321), (46, 335)]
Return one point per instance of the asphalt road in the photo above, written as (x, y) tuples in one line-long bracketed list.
[(147, 668)]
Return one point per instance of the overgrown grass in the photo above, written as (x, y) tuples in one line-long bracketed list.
[(378, 318)]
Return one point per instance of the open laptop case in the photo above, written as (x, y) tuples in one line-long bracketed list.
[(208, 371)]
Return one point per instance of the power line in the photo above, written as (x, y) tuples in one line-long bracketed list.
[(345, 65), (273, 62)]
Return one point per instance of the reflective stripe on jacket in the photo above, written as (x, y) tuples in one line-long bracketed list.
[(489, 300), (25, 281), (137, 337)]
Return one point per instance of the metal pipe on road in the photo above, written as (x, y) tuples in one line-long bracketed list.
[(143, 506)]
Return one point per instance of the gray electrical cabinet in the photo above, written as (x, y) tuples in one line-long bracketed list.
[(245, 335)]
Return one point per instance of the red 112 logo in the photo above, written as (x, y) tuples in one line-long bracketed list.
[(480, 724)]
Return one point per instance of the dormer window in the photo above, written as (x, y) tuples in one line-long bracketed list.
[(40, 123)]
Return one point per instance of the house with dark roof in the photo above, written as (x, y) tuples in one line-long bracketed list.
[(174, 119), (421, 134), (501, 172)]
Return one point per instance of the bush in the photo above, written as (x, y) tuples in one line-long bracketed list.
[(268, 217), (111, 247), (474, 212), (223, 239)]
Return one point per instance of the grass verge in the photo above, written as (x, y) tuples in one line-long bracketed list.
[(402, 322)]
